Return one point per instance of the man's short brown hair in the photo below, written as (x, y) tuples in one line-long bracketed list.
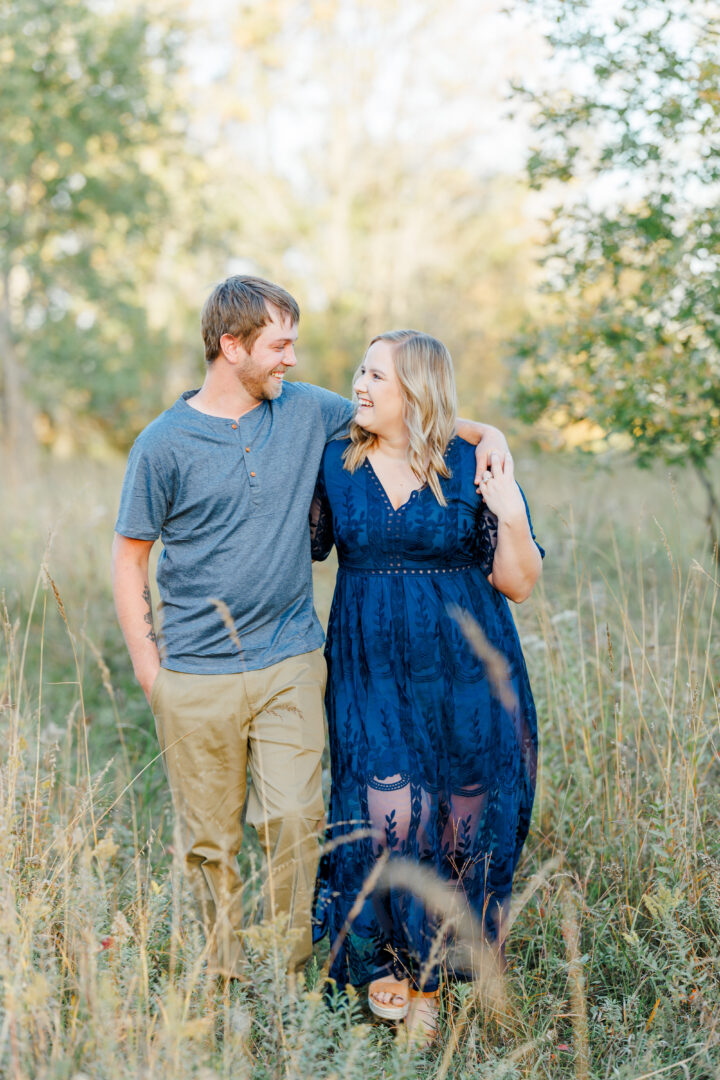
[(239, 306)]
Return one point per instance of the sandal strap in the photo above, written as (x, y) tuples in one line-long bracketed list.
[(424, 993), (377, 986)]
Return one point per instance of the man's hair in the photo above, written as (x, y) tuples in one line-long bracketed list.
[(425, 372), (240, 306)]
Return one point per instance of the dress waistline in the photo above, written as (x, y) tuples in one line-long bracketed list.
[(363, 570)]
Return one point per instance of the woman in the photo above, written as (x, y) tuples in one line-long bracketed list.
[(423, 751)]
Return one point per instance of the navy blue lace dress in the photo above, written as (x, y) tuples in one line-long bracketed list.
[(424, 755)]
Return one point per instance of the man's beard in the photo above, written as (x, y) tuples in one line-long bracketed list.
[(262, 388)]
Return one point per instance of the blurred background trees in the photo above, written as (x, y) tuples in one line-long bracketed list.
[(624, 350), (361, 152), (358, 137), (88, 128), (341, 147)]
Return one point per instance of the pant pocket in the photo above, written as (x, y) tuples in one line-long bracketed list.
[(155, 689)]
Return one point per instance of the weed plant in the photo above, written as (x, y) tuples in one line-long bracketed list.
[(613, 957)]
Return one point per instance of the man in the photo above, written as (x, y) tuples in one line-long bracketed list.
[(225, 477)]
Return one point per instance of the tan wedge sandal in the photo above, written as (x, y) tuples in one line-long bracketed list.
[(386, 1010)]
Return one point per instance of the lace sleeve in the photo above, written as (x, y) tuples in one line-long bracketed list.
[(532, 531), (487, 525), (321, 528)]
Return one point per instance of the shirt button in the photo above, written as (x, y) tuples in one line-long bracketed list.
[(252, 473), (247, 449), (233, 425)]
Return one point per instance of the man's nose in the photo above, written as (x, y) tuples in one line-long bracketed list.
[(290, 359)]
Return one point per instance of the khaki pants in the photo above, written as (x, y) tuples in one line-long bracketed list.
[(212, 728)]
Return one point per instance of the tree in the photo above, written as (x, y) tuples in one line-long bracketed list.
[(626, 349), (362, 135), (86, 123)]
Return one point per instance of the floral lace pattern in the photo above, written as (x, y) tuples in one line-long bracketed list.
[(425, 758)]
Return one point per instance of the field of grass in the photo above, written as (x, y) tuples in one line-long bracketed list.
[(614, 954)]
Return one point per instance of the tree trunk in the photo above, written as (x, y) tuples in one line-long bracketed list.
[(713, 509), (17, 433)]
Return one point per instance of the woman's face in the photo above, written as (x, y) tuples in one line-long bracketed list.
[(380, 397)]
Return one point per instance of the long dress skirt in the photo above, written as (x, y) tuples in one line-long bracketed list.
[(432, 761)]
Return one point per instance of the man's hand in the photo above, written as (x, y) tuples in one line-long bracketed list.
[(146, 676), (493, 441)]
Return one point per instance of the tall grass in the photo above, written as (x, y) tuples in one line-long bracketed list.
[(613, 966)]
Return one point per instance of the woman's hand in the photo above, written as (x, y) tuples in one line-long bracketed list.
[(500, 491), (517, 562)]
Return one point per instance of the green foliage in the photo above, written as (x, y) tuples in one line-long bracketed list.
[(627, 339), (86, 125)]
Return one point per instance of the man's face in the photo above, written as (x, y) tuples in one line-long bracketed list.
[(261, 371)]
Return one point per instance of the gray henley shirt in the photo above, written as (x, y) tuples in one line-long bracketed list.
[(230, 501)]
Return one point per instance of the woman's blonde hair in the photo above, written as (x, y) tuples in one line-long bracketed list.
[(425, 372)]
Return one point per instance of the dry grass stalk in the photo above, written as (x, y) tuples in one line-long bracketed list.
[(368, 885), (576, 981), (227, 618), (496, 666), (469, 951)]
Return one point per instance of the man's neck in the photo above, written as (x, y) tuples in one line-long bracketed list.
[(222, 396)]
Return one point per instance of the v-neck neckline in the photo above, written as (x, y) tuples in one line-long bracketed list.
[(383, 492)]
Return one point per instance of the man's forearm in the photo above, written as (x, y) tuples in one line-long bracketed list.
[(131, 589), (473, 431), (486, 439)]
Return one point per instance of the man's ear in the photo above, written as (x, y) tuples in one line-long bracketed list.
[(230, 348)]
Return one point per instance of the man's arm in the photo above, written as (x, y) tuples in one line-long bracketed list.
[(131, 589), (485, 438)]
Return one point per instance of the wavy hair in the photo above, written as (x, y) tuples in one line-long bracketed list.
[(425, 372)]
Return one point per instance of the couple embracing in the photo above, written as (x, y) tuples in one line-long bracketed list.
[(246, 480)]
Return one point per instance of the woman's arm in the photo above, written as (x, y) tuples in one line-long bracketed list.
[(517, 563)]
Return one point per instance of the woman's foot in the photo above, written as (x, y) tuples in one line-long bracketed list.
[(421, 1024), (388, 998)]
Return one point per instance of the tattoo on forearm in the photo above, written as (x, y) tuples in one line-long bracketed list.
[(148, 614)]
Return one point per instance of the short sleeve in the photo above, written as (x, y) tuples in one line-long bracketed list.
[(336, 411), (532, 531), (321, 527), (487, 525), (145, 499)]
